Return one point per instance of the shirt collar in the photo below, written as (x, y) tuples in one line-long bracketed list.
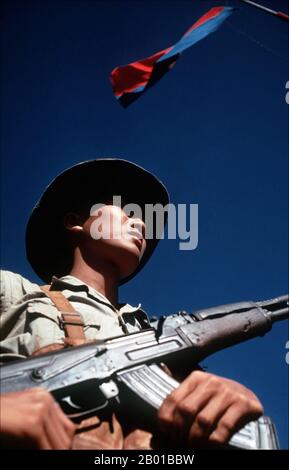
[(73, 283)]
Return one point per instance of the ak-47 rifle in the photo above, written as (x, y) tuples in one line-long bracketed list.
[(86, 379)]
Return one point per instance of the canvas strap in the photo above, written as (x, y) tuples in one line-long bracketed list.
[(70, 320)]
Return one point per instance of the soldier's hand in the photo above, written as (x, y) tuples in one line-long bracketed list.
[(32, 419), (207, 408)]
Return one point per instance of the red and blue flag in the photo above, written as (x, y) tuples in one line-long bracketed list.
[(130, 81)]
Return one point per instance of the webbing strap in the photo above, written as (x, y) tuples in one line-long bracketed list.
[(71, 321)]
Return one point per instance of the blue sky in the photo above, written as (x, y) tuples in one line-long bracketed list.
[(215, 130)]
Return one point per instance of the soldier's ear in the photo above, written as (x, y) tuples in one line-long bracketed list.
[(73, 222)]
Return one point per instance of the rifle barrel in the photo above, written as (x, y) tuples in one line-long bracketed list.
[(279, 315)]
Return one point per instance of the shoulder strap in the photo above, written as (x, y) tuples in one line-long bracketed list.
[(71, 321)]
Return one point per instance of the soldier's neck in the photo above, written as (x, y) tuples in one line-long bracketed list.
[(102, 276)]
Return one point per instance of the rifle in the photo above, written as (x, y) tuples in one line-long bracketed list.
[(88, 379)]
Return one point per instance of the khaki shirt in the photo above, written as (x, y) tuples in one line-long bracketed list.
[(30, 321)]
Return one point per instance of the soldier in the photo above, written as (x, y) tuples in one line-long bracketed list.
[(84, 246)]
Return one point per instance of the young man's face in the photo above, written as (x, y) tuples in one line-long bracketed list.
[(111, 235)]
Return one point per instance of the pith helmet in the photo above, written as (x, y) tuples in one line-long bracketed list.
[(87, 182)]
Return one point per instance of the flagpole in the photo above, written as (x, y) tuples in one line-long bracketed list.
[(279, 14)]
